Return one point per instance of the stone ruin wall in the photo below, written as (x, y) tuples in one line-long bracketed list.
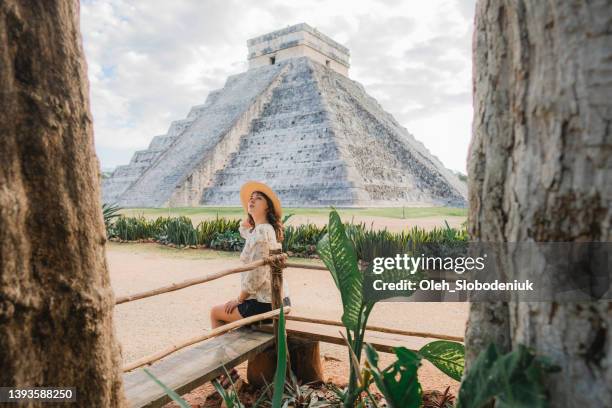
[(390, 163), (300, 40), (201, 175), (290, 143), (160, 181)]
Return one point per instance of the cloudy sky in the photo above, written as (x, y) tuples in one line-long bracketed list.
[(150, 61)]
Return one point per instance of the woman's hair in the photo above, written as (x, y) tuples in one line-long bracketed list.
[(273, 220)]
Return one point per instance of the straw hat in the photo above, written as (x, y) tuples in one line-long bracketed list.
[(250, 186)]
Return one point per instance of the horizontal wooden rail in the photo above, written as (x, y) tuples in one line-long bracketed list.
[(379, 329), (305, 266), (197, 281), (213, 333)]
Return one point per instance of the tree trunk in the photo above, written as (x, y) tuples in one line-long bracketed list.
[(540, 170), (56, 302), (305, 357)]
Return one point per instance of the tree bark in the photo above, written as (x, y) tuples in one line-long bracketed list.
[(305, 357), (56, 302), (540, 170)]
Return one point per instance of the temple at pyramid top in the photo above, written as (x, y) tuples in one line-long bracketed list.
[(300, 40), (295, 121)]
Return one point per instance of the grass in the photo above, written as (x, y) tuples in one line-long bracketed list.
[(237, 212), (179, 253)]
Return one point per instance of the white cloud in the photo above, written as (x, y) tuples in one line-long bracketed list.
[(149, 62)]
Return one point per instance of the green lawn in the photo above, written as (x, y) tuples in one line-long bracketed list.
[(187, 253), (236, 212)]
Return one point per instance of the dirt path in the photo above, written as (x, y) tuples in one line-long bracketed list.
[(149, 325)]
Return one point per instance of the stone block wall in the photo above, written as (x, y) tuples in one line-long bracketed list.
[(311, 133)]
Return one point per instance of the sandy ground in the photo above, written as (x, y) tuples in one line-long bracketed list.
[(149, 325)]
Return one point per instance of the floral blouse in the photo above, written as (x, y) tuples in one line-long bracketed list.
[(259, 242)]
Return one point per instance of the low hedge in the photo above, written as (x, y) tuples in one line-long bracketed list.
[(300, 240)]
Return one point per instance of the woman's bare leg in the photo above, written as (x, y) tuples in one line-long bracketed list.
[(218, 316)]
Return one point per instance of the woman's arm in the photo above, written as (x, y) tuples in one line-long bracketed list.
[(244, 295), (233, 304), (244, 228)]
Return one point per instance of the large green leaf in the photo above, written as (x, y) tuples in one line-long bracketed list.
[(324, 251), (448, 356), (281, 362), (338, 254), (521, 374), (372, 295), (514, 380), (479, 386), (398, 382)]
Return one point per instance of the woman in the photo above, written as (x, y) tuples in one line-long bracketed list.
[(262, 230)]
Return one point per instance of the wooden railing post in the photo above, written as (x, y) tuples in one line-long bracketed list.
[(276, 281), (303, 357)]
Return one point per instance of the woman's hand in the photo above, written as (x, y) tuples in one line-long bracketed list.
[(246, 223), (231, 305)]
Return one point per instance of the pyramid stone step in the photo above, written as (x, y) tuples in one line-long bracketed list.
[(158, 183), (297, 122)]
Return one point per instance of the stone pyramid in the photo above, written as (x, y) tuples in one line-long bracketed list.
[(295, 121)]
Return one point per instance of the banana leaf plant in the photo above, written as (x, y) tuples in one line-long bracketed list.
[(338, 253), (398, 382), (340, 257)]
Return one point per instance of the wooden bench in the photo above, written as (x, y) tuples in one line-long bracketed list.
[(185, 370)]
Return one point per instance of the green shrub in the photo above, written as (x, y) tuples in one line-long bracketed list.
[(222, 233), (135, 228), (178, 231), (370, 243), (227, 241), (302, 238), (110, 212), (208, 229)]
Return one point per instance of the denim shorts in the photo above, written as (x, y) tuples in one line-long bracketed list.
[(251, 307)]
